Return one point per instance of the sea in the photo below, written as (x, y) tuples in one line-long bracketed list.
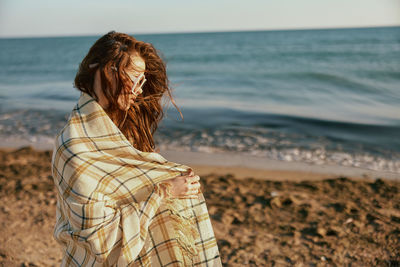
[(323, 96)]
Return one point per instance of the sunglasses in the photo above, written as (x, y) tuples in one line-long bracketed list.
[(138, 82)]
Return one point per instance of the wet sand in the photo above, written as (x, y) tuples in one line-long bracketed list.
[(282, 218)]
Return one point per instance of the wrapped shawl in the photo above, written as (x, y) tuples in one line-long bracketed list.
[(109, 208)]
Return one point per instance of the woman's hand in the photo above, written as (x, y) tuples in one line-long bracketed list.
[(186, 186)]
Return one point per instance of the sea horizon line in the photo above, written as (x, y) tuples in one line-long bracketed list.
[(198, 32)]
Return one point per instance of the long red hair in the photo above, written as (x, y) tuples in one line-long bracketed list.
[(111, 55)]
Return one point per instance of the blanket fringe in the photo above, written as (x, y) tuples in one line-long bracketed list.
[(185, 229)]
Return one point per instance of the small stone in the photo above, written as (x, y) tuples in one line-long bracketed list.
[(237, 199), (276, 202), (321, 231), (6, 209), (274, 194), (349, 220), (249, 199)]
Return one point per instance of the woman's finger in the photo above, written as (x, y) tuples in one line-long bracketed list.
[(192, 179), (196, 191), (191, 193), (194, 186)]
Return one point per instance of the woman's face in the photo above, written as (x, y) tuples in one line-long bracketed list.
[(125, 99), (138, 68)]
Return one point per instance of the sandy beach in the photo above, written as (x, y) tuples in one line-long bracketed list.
[(261, 217)]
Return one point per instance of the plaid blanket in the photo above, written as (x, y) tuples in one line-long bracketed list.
[(109, 208)]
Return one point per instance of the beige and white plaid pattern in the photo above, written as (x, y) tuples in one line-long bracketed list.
[(109, 210)]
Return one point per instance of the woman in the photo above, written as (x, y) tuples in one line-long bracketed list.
[(119, 203)]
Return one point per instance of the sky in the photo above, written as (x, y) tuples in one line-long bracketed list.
[(27, 18)]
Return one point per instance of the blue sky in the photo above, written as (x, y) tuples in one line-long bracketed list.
[(20, 18)]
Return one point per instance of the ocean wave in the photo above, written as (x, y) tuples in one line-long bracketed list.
[(280, 137)]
